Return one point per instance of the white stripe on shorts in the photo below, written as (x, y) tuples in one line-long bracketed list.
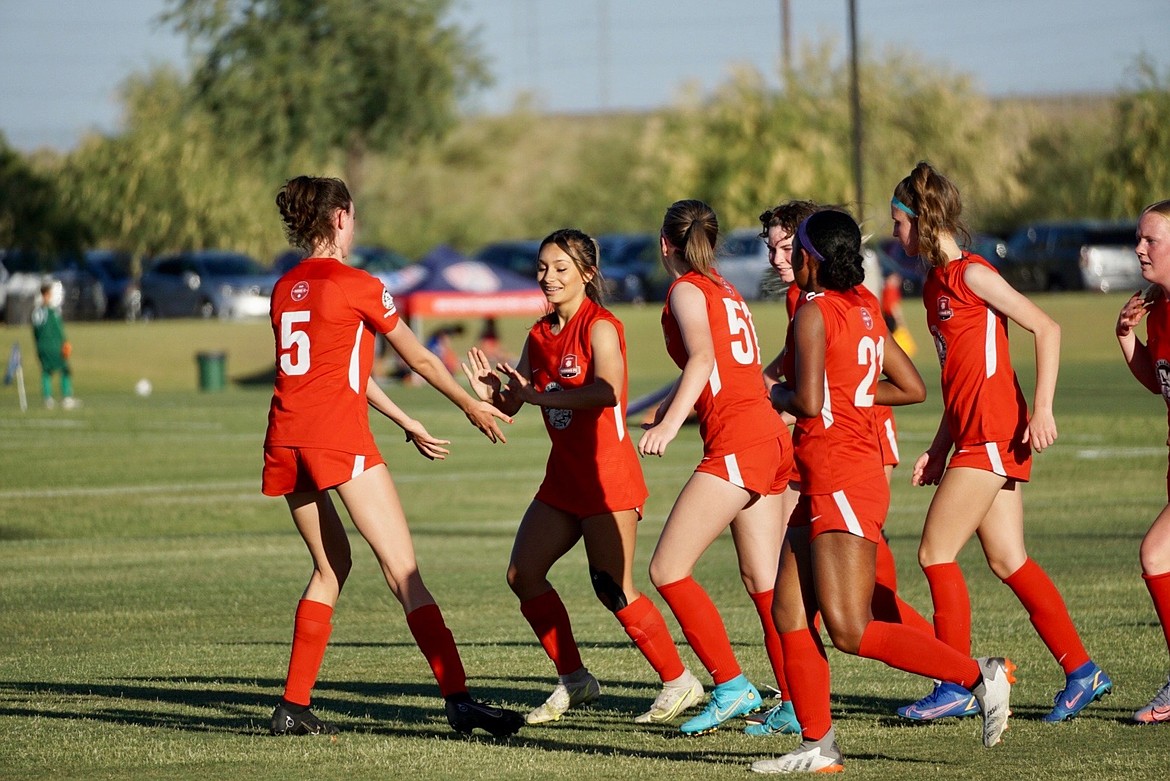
[(851, 522), (359, 466), (733, 475), (892, 438), (993, 457)]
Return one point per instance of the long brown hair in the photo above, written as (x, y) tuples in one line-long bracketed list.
[(938, 208), (692, 227)]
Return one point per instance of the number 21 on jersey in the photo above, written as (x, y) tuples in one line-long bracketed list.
[(871, 355)]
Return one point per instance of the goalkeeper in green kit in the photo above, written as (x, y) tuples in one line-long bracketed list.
[(53, 349)]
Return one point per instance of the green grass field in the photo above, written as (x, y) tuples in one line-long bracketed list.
[(147, 588)]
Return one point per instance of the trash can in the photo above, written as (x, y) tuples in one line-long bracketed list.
[(212, 370)]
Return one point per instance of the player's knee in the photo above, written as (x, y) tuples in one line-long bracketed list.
[(515, 579), (1154, 557), (607, 590), (845, 632)]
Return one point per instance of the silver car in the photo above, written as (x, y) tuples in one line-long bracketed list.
[(206, 283)]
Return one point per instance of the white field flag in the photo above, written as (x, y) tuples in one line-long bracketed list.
[(16, 372)]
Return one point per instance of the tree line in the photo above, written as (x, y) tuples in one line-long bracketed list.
[(370, 90)]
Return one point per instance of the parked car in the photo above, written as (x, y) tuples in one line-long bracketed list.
[(1081, 255), (206, 283), (27, 270), (743, 261), (628, 265), (516, 256), (114, 271)]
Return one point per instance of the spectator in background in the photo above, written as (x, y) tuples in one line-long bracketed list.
[(440, 344), (53, 349)]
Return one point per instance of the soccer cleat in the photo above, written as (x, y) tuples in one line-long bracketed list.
[(1079, 692), (567, 694), (945, 701), (994, 696), (1158, 711), (780, 720), (811, 756), (292, 720), (729, 699), (465, 714), (675, 697), (70, 403)]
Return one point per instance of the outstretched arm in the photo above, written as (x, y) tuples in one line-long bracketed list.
[(416, 433)]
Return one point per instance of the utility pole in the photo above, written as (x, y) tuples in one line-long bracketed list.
[(855, 101), (785, 40)]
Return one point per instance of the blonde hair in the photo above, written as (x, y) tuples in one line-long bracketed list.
[(937, 207), (692, 227)]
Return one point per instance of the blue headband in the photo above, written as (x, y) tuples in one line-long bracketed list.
[(805, 244), (899, 205)]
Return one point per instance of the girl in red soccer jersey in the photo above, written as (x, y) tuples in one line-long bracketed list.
[(1150, 364), (986, 422), (841, 349), (325, 316), (746, 456), (779, 231), (573, 367)]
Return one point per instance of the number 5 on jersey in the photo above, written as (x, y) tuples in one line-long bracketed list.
[(294, 343), (744, 346)]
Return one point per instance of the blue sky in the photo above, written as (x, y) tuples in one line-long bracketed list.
[(62, 61)]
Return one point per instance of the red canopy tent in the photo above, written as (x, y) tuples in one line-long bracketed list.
[(448, 284)]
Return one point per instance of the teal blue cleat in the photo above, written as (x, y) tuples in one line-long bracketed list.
[(780, 720), (730, 699)]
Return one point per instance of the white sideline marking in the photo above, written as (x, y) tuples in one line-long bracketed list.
[(1120, 452)]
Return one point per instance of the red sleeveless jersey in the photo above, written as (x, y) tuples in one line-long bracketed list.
[(1158, 342), (592, 466), (325, 316), (734, 410), (839, 447), (981, 394)]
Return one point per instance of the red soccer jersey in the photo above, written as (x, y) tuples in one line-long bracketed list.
[(734, 411), (981, 394), (1158, 342), (592, 467), (839, 447), (325, 316)]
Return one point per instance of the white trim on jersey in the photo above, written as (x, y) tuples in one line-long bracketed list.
[(827, 407), (847, 514), (733, 475), (713, 381), (892, 438), (993, 457), (989, 356), (355, 358), (359, 466), (620, 420)]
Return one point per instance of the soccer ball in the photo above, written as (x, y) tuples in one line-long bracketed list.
[(143, 387)]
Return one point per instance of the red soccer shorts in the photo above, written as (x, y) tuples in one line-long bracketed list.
[(762, 469), (859, 510), (1011, 459), (297, 469)]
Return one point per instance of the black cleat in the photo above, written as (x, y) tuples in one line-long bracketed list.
[(465, 714), (293, 720)]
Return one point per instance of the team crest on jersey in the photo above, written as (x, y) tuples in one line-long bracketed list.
[(944, 308), (570, 367), (557, 418), (300, 290), (387, 302), (940, 345), (866, 319), (1162, 367)]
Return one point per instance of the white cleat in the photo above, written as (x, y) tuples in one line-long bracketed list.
[(819, 756), (676, 696), (994, 695), (570, 692)]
